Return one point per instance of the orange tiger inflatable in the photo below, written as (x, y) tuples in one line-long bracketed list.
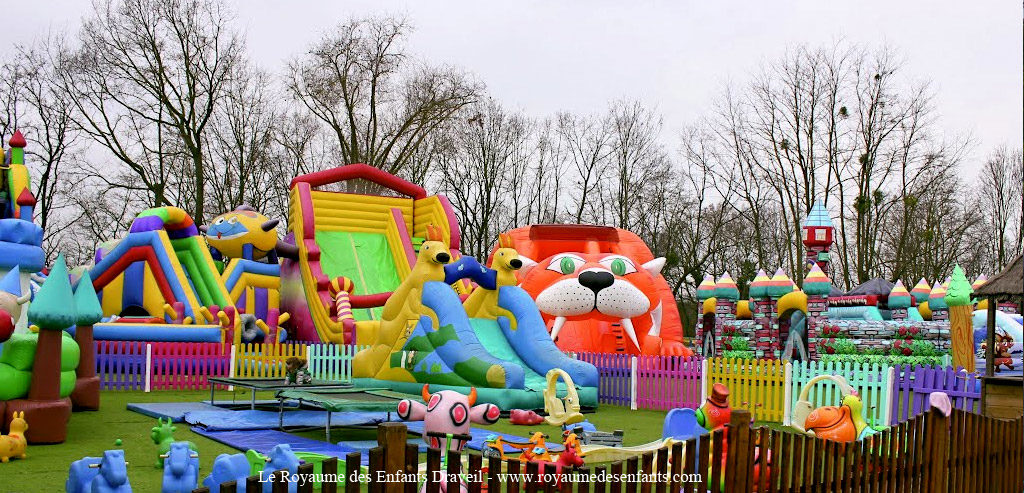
[(599, 289)]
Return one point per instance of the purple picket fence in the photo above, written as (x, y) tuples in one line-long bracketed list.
[(911, 386), (614, 374), (121, 365), (187, 365), (668, 382)]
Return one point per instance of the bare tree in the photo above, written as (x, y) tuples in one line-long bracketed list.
[(146, 81), (588, 146), (379, 102), (1001, 201)]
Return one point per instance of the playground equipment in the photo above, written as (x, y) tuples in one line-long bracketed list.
[(163, 436), (524, 417), (181, 469), (447, 412), (370, 240), (21, 252), (565, 410), (535, 448), (715, 412), (13, 444), (426, 336), (228, 467), (108, 475), (843, 423), (631, 307), (161, 282)]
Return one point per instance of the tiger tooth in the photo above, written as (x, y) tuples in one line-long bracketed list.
[(627, 324), (656, 321), (557, 327)]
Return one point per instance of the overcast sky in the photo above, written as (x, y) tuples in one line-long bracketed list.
[(544, 56)]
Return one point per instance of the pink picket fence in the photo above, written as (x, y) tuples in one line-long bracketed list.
[(667, 382), (186, 366)]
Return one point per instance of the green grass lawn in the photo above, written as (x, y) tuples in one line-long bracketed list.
[(90, 433)]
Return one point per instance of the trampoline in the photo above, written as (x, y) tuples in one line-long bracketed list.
[(341, 400), (269, 384)]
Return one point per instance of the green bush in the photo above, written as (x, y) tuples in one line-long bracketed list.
[(845, 346), (883, 359), (739, 344), (738, 354)]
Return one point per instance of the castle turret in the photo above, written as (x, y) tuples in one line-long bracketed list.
[(764, 313), (899, 301), (817, 287), (937, 303), (818, 229), (705, 293), (726, 294), (921, 291)]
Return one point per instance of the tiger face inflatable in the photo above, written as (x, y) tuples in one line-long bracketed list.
[(597, 301)]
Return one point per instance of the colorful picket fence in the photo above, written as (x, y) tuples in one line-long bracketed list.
[(911, 385), (121, 365), (265, 360), (186, 366), (668, 382), (873, 383), (332, 361), (617, 374), (758, 386)]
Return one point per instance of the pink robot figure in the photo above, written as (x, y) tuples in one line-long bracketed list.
[(447, 413)]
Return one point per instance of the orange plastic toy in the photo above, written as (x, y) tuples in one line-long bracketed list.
[(716, 410)]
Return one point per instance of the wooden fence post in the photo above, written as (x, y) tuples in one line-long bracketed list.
[(936, 451), (890, 383), (738, 472), (632, 383), (147, 383), (392, 437)]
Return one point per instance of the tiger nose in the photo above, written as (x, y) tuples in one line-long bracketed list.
[(596, 280)]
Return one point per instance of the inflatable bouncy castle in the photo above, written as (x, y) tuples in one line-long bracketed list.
[(599, 289)]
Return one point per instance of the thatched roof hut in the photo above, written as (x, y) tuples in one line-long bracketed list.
[(1001, 397), (1009, 282)]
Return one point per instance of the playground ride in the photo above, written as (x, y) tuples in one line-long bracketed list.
[(447, 413), (564, 411), (843, 423), (599, 289), (21, 252), (426, 336), (368, 241), (163, 436), (181, 469), (107, 474), (161, 282), (13, 444)]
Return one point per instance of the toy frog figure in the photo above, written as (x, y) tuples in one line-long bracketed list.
[(716, 410), (297, 373)]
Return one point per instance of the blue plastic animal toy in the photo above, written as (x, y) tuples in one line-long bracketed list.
[(228, 467), (281, 457), (80, 474), (181, 469), (113, 474)]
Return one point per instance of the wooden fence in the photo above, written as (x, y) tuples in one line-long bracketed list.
[(872, 382), (331, 361), (930, 452)]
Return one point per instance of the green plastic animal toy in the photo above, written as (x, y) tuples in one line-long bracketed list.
[(163, 437)]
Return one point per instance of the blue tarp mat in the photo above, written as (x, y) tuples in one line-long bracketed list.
[(263, 420), (364, 446), (174, 410), (264, 440), (480, 437)]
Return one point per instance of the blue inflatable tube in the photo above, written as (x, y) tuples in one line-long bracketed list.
[(532, 342), (155, 332), (440, 297)]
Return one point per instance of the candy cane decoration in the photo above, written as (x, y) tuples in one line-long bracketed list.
[(341, 288)]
